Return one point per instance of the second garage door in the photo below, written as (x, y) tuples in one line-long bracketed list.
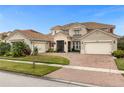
[(98, 48), (41, 47)]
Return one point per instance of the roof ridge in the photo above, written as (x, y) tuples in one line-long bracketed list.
[(90, 25)]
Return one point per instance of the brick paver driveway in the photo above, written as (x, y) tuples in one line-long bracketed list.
[(89, 77), (98, 61)]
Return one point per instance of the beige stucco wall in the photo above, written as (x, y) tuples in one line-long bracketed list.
[(71, 31), (43, 46), (82, 31), (99, 36), (17, 36), (55, 31), (61, 36)]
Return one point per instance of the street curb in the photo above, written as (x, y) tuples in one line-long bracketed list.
[(51, 79), (70, 82)]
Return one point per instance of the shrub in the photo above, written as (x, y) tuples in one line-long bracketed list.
[(121, 43), (27, 50), (4, 48), (35, 51), (50, 50), (118, 53), (8, 54), (20, 49)]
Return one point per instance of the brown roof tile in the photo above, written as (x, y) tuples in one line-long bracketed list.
[(88, 25), (94, 25), (56, 27), (31, 34)]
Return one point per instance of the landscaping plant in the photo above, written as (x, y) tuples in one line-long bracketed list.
[(4, 48), (50, 50), (121, 43), (35, 51), (118, 53), (20, 49)]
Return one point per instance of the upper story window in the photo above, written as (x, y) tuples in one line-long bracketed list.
[(65, 31), (77, 32)]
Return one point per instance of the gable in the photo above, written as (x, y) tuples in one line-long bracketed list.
[(16, 36), (99, 35), (60, 36)]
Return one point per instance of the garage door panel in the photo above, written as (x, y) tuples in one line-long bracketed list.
[(41, 47), (98, 48)]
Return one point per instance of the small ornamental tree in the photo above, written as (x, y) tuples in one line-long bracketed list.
[(35, 51), (4, 48), (20, 49)]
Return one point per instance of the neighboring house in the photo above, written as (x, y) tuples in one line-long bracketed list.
[(32, 38), (4, 35), (88, 38)]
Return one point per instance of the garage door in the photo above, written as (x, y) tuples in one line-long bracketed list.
[(41, 47), (98, 48)]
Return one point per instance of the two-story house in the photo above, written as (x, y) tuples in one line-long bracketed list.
[(87, 38)]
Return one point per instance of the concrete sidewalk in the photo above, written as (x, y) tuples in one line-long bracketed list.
[(112, 71), (86, 75)]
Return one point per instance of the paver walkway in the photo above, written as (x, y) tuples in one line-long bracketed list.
[(95, 61), (102, 63), (89, 75), (81, 68)]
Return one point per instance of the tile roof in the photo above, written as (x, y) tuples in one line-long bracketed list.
[(88, 25), (3, 35), (34, 35)]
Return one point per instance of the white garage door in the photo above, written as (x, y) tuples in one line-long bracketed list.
[(41, 47), (98, 48)]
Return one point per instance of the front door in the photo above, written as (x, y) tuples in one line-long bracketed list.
[(60, 46), (69, 46)]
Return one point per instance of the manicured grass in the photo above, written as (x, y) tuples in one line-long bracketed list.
[(120, 63), (43, 59), (39, 70)]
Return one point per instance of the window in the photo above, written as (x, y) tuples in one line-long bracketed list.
[(76, 45), (55, 32), (76, 32)]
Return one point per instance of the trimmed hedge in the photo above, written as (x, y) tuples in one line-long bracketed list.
[(118, 53)]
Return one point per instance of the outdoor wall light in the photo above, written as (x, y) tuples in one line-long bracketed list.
[(54, 43)]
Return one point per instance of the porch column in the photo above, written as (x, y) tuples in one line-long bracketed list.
[(66, 46), (71, 45), (55, 46)]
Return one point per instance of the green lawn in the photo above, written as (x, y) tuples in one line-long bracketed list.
[(39, 70), (120, 63), (43, 59)]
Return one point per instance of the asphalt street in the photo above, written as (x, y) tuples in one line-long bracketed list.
[(17, 80)]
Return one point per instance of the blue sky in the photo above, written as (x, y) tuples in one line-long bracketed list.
[(42, 18)]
